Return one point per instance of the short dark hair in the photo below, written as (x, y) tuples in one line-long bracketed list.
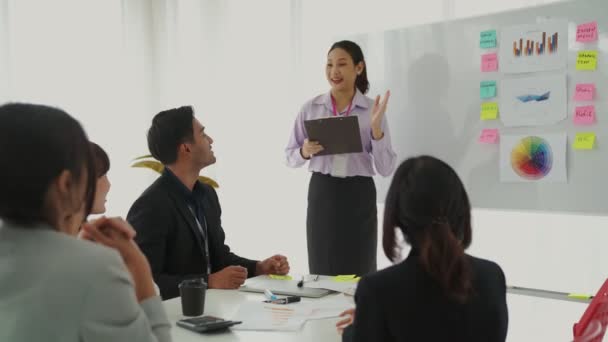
[(102, 161), (356, 54), (428, 203), (169, 129), (37, 143)]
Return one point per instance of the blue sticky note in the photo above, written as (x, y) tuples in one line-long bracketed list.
[(487, 39), (487, 89)]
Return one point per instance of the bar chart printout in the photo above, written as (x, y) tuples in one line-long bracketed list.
[(534, 47), (530, 47)]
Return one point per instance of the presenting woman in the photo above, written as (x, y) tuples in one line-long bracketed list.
[(341, 222)]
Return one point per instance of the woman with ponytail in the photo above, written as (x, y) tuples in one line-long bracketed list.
[(438, 293), (341, 221)]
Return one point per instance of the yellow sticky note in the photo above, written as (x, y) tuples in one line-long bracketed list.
[(584, 141), (586, 60), (280, 277), (489, 110), (347, 278), (579, 296)]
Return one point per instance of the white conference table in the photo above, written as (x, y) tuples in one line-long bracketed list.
[(542, 319), (530, 319), (225, 304)]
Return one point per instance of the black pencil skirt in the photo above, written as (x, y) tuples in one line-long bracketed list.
[(341, 225)]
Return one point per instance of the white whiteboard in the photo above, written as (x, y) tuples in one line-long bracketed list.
[(433, 72)]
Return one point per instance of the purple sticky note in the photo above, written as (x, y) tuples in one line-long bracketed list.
[(489, 62), (489, 136), (584, 92), (586, 32), (584, 115)]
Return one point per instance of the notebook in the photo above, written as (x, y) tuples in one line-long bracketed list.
[(282, 287)]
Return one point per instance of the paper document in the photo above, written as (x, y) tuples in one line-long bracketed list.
[(534, 47), (329, 307), (264, 317), (533, 101), (537, 158)]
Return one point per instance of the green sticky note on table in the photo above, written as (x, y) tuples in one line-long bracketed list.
[(584, 141), (280, 277), (489, 110), (487, 89), (346, 278), (487, 39), (586, 60)]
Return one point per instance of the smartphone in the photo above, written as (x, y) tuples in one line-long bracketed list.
[(206, 324)]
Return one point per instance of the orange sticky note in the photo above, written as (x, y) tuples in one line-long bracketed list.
[(489, 62), (489, 136), (586, 32), (584, 115), (584, 92)]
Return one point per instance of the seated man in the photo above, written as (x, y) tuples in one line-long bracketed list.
[(177, 218)]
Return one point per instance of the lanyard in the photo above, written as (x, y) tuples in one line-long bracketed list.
[(205, 234), (333, 104)]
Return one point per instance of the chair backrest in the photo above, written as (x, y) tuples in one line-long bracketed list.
[(593, 332), (593, 323)]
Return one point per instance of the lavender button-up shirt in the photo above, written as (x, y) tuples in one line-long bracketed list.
[(380, 152)]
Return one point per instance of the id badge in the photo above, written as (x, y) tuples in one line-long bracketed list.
[(338, 165)]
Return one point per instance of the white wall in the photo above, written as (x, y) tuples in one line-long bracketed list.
[(79, 56)]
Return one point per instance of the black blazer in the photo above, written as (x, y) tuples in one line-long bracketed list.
[(169, 236), (402, 303)]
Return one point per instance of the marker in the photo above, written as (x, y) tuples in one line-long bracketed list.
[(269, 295), (579, 296), (286, 300)]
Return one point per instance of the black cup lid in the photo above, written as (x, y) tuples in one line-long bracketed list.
[(196, 282)]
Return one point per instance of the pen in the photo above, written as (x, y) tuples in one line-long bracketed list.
[(301, 282)]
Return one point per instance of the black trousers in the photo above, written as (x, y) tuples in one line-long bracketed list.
[(341, 225)]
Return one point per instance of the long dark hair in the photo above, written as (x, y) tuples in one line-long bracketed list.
[(356, 54), (428, 203), (37, 143)]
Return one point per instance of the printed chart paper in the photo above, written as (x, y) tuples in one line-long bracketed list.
[(537, 47), (531, 158), (533, 101)]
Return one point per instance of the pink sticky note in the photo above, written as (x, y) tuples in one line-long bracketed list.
[(489, 62), (489, 136), (584, 115), (586, 32), (584, 92)]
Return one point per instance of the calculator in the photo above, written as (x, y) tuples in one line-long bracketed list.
[(206, 324)]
